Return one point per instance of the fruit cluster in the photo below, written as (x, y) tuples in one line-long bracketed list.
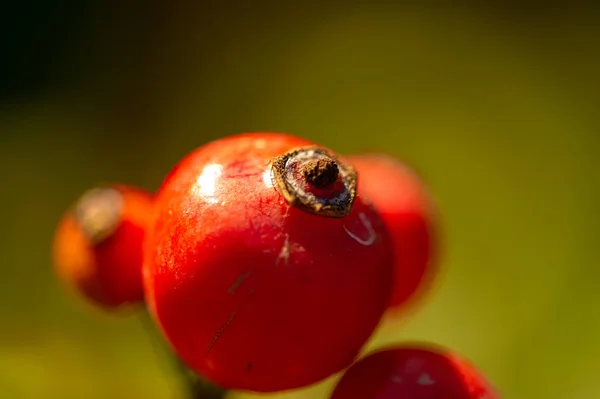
[(267, 261)]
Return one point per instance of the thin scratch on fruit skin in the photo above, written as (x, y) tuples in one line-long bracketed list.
[(236, 284), (220, 331), (367, 223)]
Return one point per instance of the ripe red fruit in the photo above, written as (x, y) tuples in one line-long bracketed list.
[(414, 372), (262, 268), (404, 204), (97, 247)]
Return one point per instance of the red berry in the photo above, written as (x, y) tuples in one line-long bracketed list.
[(98, 244), (263, 270), (413, 372), (404, 204)]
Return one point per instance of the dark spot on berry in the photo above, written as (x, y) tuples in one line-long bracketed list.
[(321, 172)]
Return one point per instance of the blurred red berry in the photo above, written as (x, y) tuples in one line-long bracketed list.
[(413, 372), (97, 246), (262, 268), (404, 204)]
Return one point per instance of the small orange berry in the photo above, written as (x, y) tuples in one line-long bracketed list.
[(97, 246)]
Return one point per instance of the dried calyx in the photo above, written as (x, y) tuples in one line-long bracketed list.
[(315, 180), (98, 213), (320, 172)]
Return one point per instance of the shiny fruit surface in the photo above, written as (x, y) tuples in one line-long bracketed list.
[(414, 372), (263, 269)]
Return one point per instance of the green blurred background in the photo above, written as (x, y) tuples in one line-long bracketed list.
[(497, 107)]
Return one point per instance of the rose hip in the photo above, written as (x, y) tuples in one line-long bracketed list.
[(404, 204), (263, 269), (414, 372), (97, 246)]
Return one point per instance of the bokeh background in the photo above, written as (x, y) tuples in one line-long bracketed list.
[(495, 105)]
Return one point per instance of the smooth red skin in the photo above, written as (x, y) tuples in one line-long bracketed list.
[(405, 205), (219, 283), (413, 372), (109, 273)]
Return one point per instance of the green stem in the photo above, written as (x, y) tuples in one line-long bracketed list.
[(197, 387)]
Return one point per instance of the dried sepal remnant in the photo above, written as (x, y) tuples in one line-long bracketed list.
[(321, 172), (98, 213), (315, 180)]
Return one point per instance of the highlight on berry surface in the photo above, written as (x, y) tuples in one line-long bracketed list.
[(97, 248), (254, 287), (405, 205), (414, 371)]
